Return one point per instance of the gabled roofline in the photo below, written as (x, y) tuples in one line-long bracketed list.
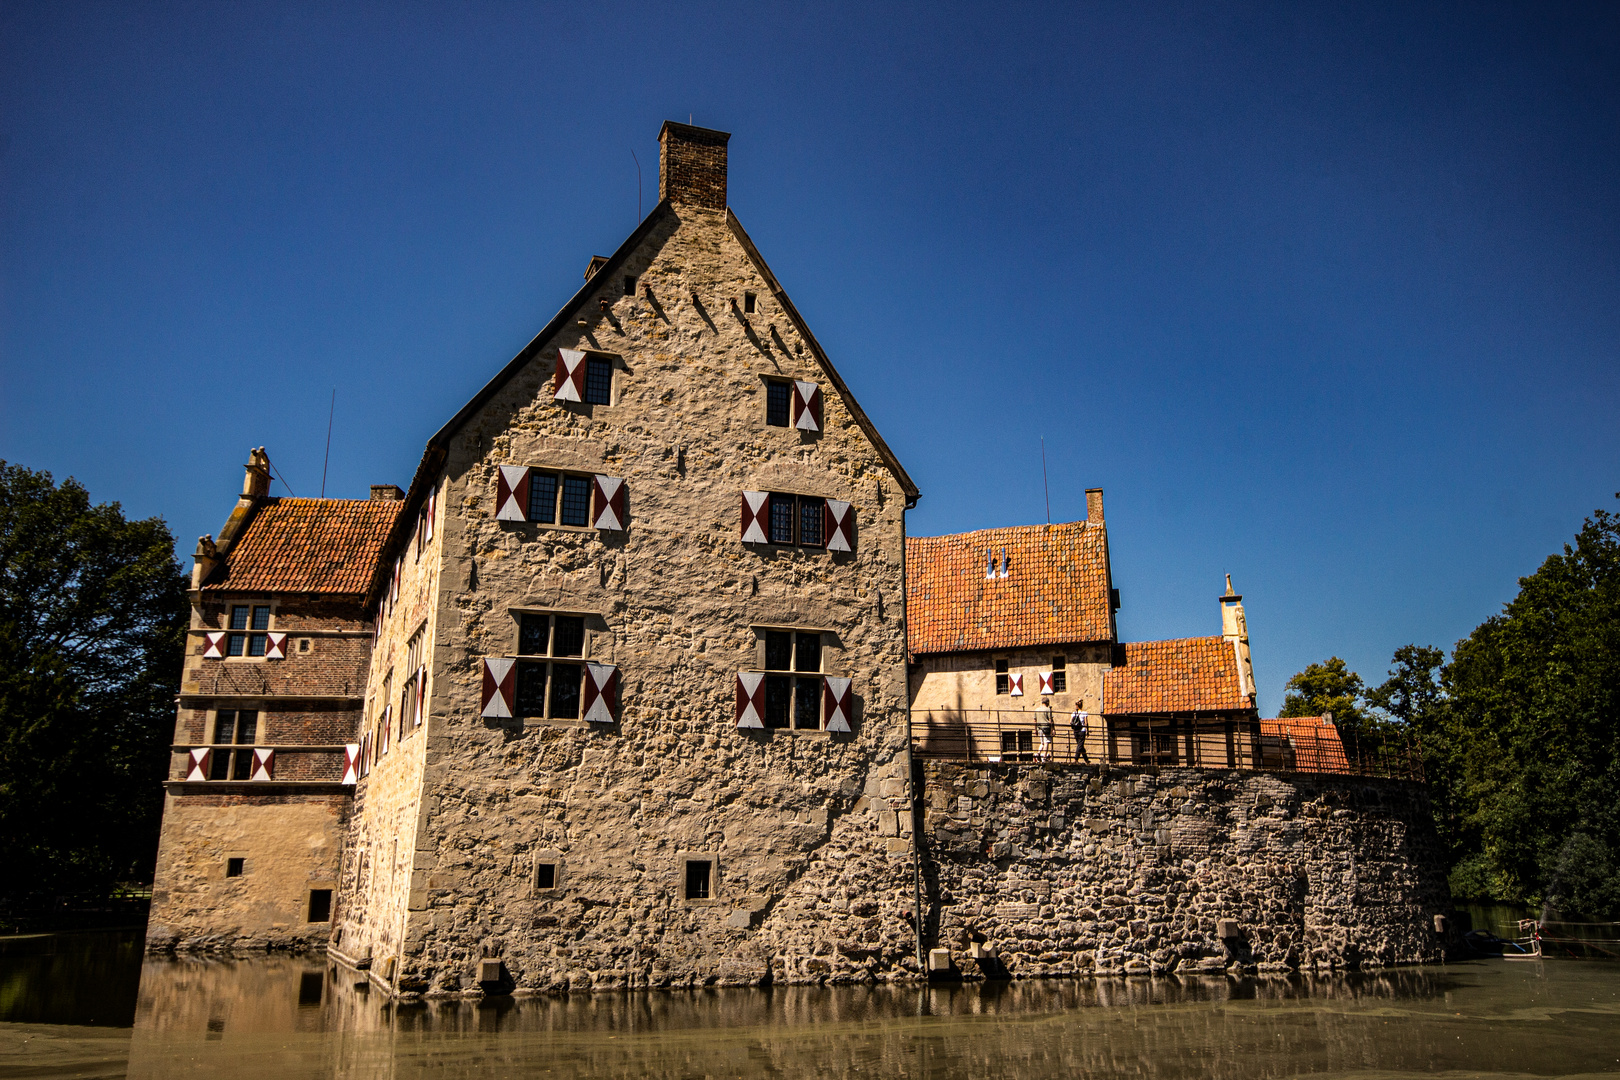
[(866, 425)]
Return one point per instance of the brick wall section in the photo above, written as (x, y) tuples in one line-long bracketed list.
[(692, 165), (1081, 870)]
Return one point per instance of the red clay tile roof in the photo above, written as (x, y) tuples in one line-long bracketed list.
[(1179, 676), (1314, 741), (308, 546), (1055, 592)]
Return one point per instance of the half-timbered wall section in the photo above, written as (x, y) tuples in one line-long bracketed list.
[(264, 755), (664, 736)]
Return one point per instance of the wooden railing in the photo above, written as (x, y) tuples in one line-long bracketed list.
[(1214, 742)]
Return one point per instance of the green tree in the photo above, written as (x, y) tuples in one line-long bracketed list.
[(1327, 688), (1534, 734), (92, 624)]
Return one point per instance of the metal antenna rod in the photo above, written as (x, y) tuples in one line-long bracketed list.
[(330, 409), (638, 185), (1047, 488)]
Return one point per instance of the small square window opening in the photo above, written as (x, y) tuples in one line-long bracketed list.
[(545, 876), (698, 884), (778, 396), (599, 380), (320, 905), (629, 284), (234, 867)]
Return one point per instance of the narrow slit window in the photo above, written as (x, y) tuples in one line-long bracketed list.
[(545, 876), (1001, 677), (748, 303), (629, 284)]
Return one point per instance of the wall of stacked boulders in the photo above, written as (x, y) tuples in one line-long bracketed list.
[(1056, 869)]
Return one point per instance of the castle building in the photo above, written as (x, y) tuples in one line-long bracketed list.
[(256, 805), (641, 683)]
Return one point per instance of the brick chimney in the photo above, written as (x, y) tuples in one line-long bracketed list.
[(692, 165), (1094, 513)]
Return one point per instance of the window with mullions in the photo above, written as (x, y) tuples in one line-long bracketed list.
[(234, 727), (599, 377), (1001, 677), (550, 688), (792, 679), (798, 519), (1060, 677), (778, 396), (248, 621), (559, 498)]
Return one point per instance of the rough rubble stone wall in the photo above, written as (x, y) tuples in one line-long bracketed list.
[(376, 884), (813, 875), (289, 844), (1068, 870)]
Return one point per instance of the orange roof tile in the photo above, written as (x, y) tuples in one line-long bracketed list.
[(1314, 741), (1178, 676), (1055, 591), (308, 545)]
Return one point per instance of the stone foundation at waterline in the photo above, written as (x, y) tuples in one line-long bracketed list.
[(1061, 870)]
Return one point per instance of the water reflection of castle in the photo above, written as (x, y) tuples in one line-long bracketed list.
[(641, 683)]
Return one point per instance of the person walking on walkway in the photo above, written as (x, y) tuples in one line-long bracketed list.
[(1077, 724), (1044, 728)]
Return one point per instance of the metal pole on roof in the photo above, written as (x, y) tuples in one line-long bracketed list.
[(330, 409), (1044, 486)]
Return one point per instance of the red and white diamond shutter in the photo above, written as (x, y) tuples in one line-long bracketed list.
[(610, 499), (393, 589), (512, 493), (214, 645), (500, 686), (601, 698), (755, 515), (570, 382), (750, 699), (264, 763), (837, 703), (351, 764), (840, 526), (806, 406), (1015, 685), (197, 764), (275, 646), (1046, 682)]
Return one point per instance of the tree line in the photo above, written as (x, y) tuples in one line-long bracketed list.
[(1519, 729)]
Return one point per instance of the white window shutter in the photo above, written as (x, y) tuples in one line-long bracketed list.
[(512, 493), (806, 406), (214, 645), (1015, 685), (351, 764), (600, 703), (750, 699), (421, 695), (755, 516), (610, 498), (197, 763), (264, 763), (500, 686), (840, 530), (569, 385), (432, 508), (837, 703)]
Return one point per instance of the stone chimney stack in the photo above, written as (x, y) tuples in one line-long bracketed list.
[(1235, 629), (1094, 513), (692, 165), (256, 485)]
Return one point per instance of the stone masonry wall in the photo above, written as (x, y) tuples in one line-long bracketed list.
[(1071, 870), (793, 821)]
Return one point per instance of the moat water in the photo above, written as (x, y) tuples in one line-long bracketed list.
[(89, 1005)]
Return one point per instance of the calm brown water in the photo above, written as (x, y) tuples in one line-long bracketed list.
[(286, 1018)]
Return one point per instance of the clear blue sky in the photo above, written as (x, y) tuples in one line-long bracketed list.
[(1326, 297)]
